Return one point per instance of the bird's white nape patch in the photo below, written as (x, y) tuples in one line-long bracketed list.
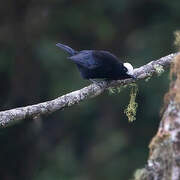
[(129, 68)]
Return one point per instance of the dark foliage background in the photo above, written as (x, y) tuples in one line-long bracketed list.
[(91, 141)]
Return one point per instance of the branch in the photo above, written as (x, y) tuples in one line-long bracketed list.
[(75, 97)]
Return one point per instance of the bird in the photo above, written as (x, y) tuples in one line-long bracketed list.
[(98, 64)]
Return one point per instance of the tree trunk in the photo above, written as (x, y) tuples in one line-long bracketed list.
[(164, 158)]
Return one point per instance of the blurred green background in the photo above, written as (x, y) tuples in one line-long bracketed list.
[(93, 140)]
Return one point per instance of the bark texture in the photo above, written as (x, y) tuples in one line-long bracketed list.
[(154, 67), (164, 158)]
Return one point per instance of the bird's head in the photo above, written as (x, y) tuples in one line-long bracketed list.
[(129, 70)]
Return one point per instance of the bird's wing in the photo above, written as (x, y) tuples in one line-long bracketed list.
[(85, 59), (105, 58), (93, 59)]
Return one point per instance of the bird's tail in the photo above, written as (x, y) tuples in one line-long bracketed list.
[(66, 48)]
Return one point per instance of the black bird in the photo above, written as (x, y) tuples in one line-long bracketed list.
[(98, 64)]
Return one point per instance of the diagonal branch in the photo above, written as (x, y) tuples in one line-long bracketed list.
[(75, 97)]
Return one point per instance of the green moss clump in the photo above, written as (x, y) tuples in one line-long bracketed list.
[(140, 174), (177, 39), (147, 79), (131, 109), (116, 90), (111, 90), (159, 69)]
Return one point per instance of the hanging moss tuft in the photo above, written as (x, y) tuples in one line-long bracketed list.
[(131, 109)]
